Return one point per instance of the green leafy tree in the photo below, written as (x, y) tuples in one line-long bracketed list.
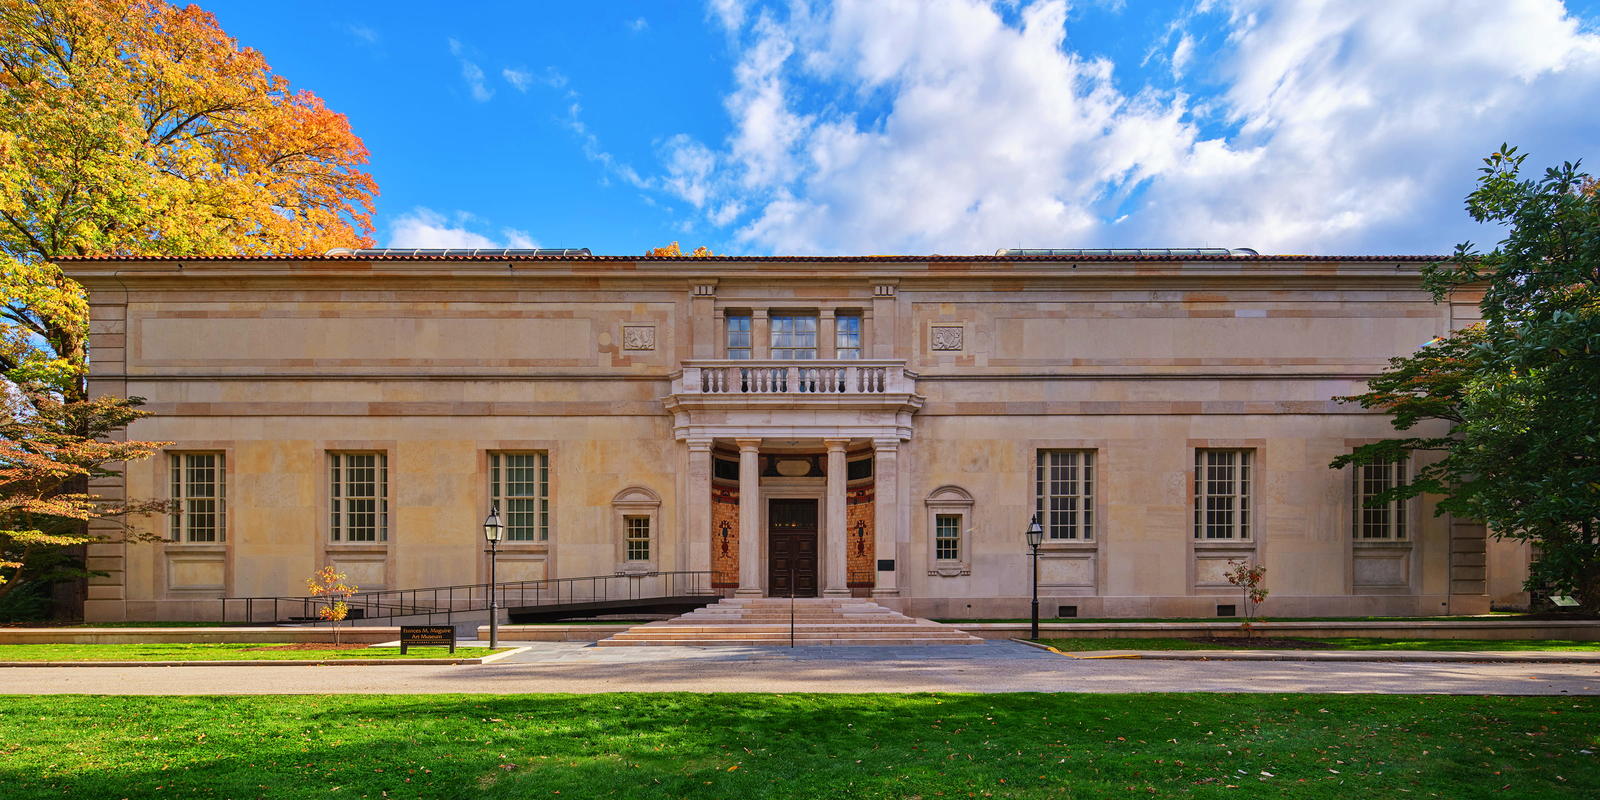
[(1513, 403)]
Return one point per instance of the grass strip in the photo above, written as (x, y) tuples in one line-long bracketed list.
[(800, 746), (1085, 644), (215, 652), (1497, 616)]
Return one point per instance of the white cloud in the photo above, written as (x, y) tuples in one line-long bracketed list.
[(638, 24), (936, 126), (1181, 54), (363, 33), (594, 151), (471, 73), (523, 79), (427, 229)]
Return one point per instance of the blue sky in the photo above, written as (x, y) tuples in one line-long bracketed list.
[(950, 126)]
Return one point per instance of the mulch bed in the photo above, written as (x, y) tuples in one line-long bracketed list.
[(1265, 643), (311, 646)]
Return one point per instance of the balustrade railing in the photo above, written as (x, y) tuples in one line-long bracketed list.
[(794, 378)]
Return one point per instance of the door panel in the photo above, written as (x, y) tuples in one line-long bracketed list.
[(792, 547)]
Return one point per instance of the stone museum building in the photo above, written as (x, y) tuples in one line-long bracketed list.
[(871, 426)]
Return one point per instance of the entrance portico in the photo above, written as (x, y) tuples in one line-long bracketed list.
[(796, 431), (765, 495)]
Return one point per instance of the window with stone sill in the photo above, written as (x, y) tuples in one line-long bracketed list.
[(636, 517), (1222, 493), (1383, 521), (358, 499), (794, 336), (1064, 494), (738, 342), (519, 486), (199, 492), (949, 509), (847, 336)]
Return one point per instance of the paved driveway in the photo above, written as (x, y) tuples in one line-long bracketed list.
[(993, 667)]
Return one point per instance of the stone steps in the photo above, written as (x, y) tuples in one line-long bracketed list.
[(766, 622)]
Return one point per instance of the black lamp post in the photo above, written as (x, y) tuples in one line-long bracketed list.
[(493, 532), (1035, 538)]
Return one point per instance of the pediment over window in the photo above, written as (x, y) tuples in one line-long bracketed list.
[(636, 497), (949, 495)]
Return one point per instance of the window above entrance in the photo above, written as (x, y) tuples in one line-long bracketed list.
[(794, 336)]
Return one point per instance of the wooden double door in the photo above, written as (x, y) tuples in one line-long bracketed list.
[(791, 547)]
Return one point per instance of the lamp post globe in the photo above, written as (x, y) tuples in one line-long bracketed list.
[(1035, 537), (493, 532)]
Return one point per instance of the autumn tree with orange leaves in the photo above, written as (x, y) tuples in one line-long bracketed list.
[(674, 251), (134, 127), (49, 450)]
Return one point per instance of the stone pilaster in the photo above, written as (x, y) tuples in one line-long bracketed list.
[(827, 340), (886, 488), (760, 334), (697, 536)]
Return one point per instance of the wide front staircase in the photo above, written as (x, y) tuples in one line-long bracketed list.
[(817, 621)]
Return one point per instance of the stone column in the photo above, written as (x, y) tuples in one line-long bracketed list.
[(833, 532), (749, 518), (886, 513), (697, 533)]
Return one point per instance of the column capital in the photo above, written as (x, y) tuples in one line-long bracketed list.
[(750, 445), (835, 444), (758, 313), (698, 443), (888, 445)]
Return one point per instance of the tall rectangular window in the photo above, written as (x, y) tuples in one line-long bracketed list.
[(358, 499), (947, 537), (1386, 520), (794, 336), (199, 490), (638, 533), (847, 336), (1222, 494), (738, 336), (519, 485), (1064, 489)]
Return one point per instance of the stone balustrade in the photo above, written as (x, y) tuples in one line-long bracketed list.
[(738, 377)]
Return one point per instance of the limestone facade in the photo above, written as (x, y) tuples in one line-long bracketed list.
[(645, 414)]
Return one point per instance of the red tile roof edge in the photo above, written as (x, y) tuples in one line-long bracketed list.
[(737, 259)]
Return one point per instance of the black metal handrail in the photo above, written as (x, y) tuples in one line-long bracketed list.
[(431, 601)]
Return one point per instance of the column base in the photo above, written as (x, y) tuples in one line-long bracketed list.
[(749, 593), (885, 592), (835, 592)]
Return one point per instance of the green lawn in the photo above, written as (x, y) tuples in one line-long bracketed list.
[(213, 652), (1077, 644), (800, 746), (1497, 616)]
